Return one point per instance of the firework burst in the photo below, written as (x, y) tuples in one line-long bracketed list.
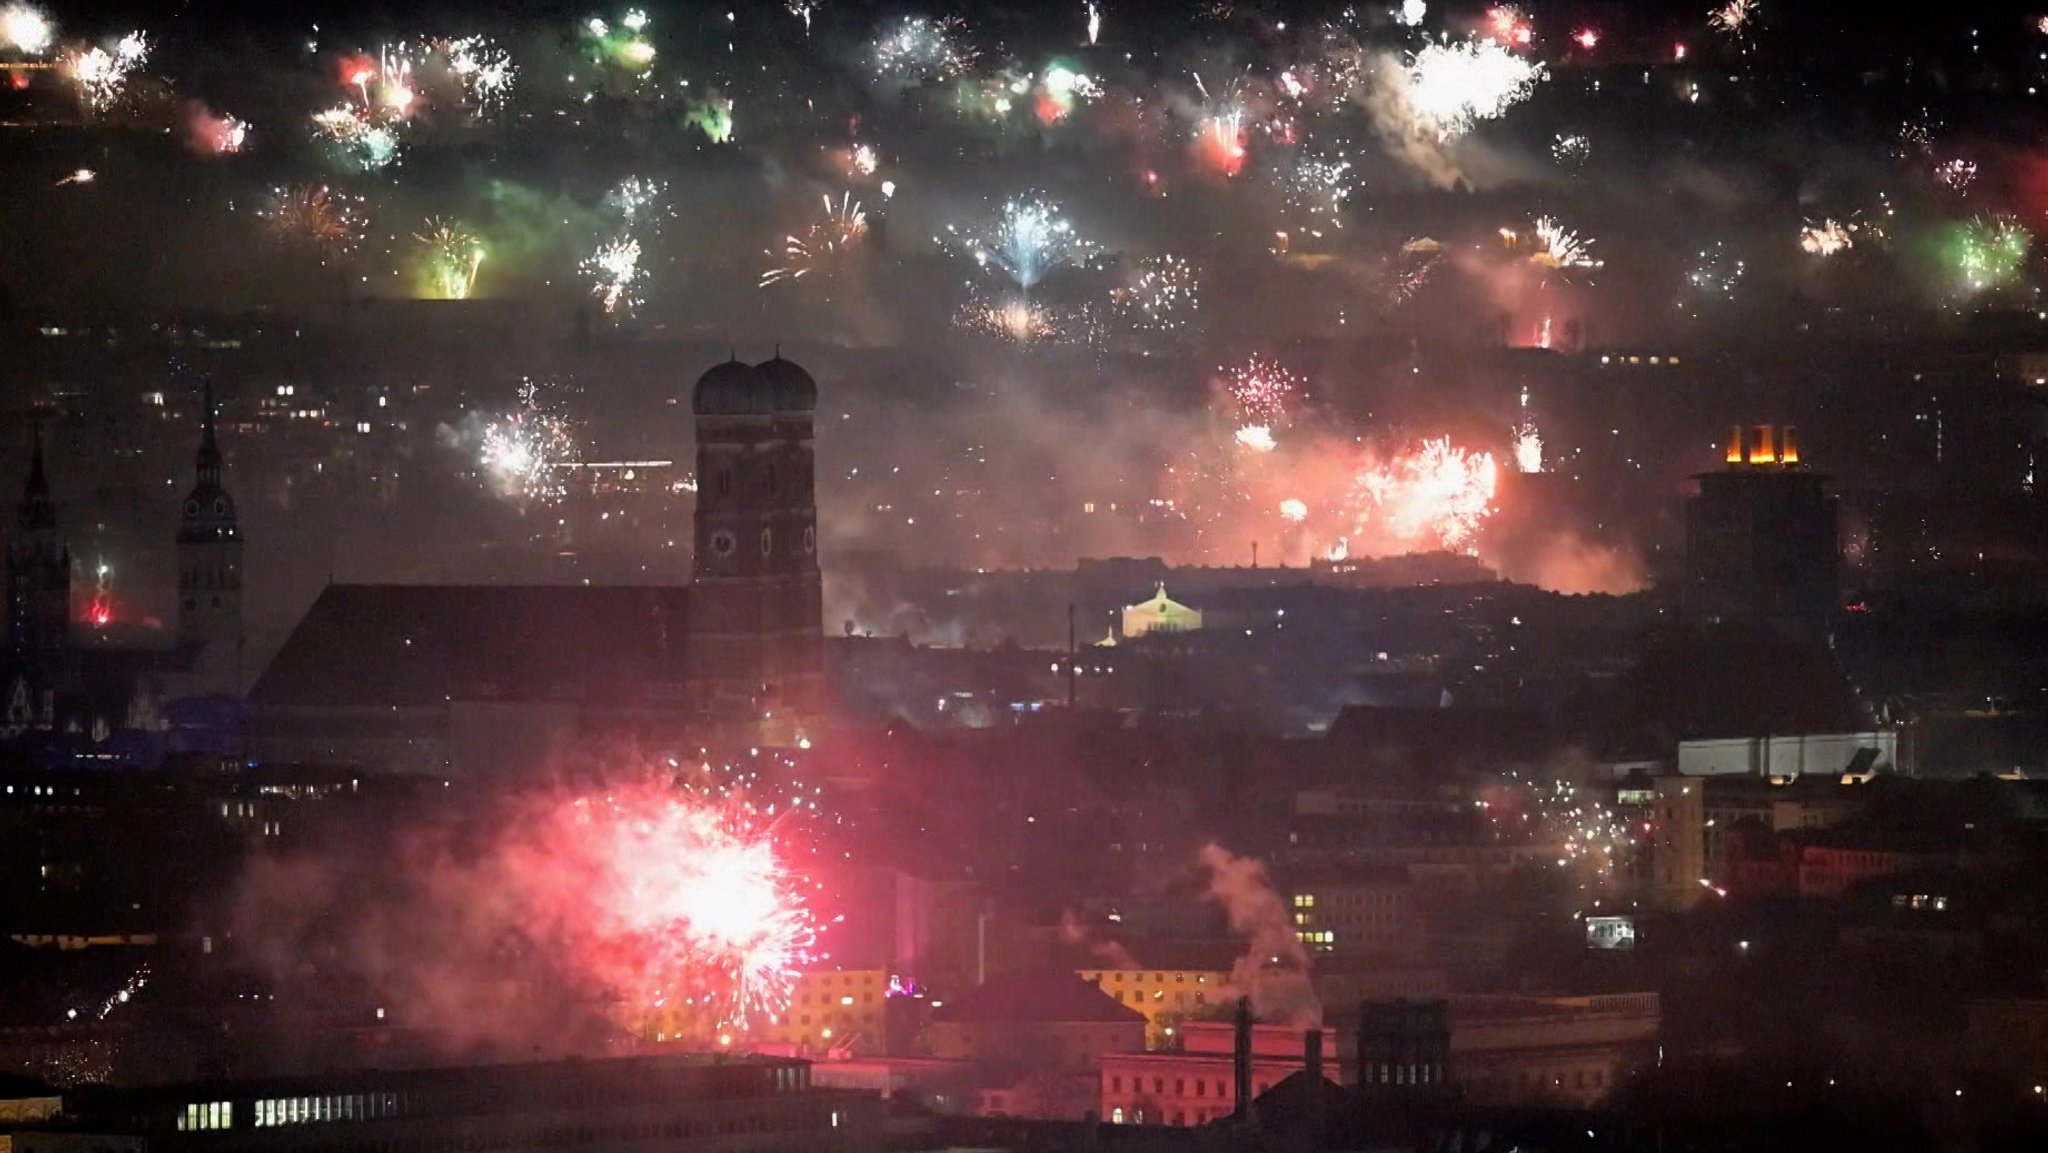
[(1734, 18), (450, 257), (1828, 237), (315, 215), (1260, 390), (615, 273), (1989, 252), (822, 245), (26, 29), (523, 453), (918, 50), (1571, 149), (1437, 496), (1452, 87), (484, 70), (366, 138), (1164, 295), (1030, 239), (102, 73)]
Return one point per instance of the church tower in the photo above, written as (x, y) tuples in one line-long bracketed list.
[(210, 566), (38, 582), (756, 654)]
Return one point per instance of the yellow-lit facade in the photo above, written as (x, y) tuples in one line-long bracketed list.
[(1365, 916), (1165, 996), (828, 1009)]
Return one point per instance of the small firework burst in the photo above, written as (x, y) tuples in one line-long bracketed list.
[(1956, 175), (1030, 238), (317, 216), (1989, 252), (1437, 496), (1553, 249), (1260, 389), (919, 50), (102, 73), (484, 70), (1405, 272), (615, 273), (821, 245), (450, 257), (1509, 26), (1827, 237), (1164, 295), (523, 453), (1316, 188), (1571, 149), (1714, 275), (1017, 319), (1733, 18), (368, 139)]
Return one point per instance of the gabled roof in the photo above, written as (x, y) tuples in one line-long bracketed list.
[(1058, 999), (378, 646)]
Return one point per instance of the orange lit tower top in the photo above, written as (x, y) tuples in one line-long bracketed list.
[(1766, 445)]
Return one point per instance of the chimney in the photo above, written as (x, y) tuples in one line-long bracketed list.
[(1762, 450), (1241, 1064), (1312, 1068), (1788, 445), (1735, 444)]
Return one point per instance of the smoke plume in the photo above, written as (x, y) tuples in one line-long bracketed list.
[(1274, 970)]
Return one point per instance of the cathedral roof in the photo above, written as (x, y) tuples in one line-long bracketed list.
[(736, 389), (385, 646)]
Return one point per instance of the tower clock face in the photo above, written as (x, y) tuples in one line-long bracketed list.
[(722, 543)]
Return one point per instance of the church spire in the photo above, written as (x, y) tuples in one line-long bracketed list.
[(38, 511), (208, 459)]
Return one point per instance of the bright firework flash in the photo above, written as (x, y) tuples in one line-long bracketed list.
[(315, 215), (1293, 510), (1452, 87), (1094, 11), (1260, 390), (1733, 19), (1060, 90), (680, 896), (450, 257), (1411, 13), (822, 245), (1031, 238), (1827, 237), (26, 29), (615, 273), (1528, 444), (1571, 149), (918, 50), (1163, 296), (102, 74), (864, 159), (1220, 138), (1587, 38), (1989, 252), (1439, 495), (523, 454), (79, 176), (1509, 26), (1256, 438)]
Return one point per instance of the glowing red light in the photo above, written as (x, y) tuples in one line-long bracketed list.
[(1586, 38)]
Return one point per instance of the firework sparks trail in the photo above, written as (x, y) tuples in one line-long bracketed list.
[(79, 176), (841, 229), (102, 74), (452, 257), (1260, 390), (1828, 237), (1164, 296), (1220, 137), (1528, 448), (1438, 495), (1094, 21), (314, 214), (26, 29), (802, 10), (1452, 87)]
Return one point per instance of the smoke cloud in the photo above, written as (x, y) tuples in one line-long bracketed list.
[(1274, 971)]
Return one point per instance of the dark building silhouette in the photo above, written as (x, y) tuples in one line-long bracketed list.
[(210, 568), (1762, 538), (38, 589), (755, 653)]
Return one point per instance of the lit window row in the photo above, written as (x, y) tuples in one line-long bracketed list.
[(275, 1111), (205, 1115)]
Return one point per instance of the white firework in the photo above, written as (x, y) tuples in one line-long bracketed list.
[(1452, 87), (26, 29)]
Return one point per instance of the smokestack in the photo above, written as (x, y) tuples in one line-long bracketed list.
[(1762, 450), (1788, 445), (1241, 1063), (1735, 444), (1312, 1066)]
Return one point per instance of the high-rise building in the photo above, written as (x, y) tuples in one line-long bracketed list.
[(1762, 538), (210, 569), (38, 585), (756, 648)]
